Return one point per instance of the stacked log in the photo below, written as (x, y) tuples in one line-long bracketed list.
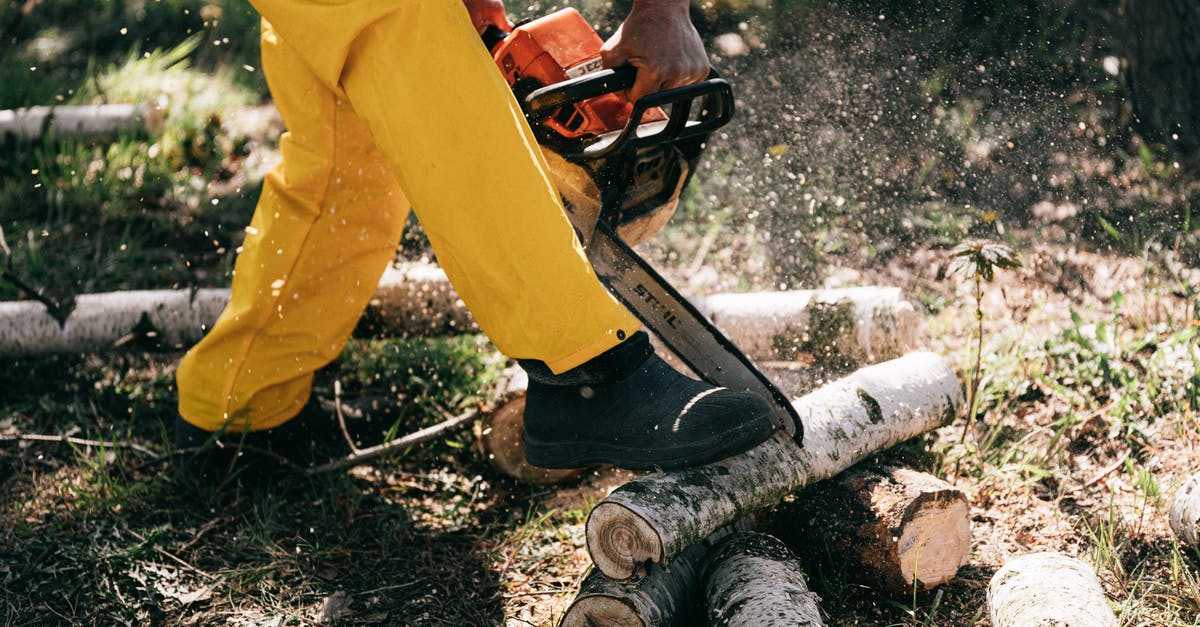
[(902, 529), (753, 579), (667, 595), (653, 518), (1047, 589)]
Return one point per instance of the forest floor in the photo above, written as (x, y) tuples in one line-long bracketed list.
[(1087, 425)]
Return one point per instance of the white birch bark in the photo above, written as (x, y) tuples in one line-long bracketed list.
[(665, 596), (101, 321), (653, 518), (1044, 589), (753, 580), (80, 121), (412, 299), (416, 299), (858, 325), (1185, 511)]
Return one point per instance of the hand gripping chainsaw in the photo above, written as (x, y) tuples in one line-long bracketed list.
[(620, 167)]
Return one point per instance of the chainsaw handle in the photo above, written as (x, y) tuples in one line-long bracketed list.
[(543, 102), (714, 93)]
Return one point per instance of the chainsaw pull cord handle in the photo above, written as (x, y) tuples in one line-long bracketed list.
[(714, 92)]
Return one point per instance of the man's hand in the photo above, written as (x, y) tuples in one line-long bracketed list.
[(488, 12), (657, 38)]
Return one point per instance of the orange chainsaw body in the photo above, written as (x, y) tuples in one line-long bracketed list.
[(556, 48)]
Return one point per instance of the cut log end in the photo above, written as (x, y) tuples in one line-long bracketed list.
[(1047, 589), (505, 450), (900, 528), (628, 540), (844, 421), (601, 609), (935, 542)]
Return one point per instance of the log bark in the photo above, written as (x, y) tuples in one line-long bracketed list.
[(417, 299), (857, 325), (500, 435), (653, 518), (1047, 589), (898, 529), (103, 321), (753, 580), (667, 595), (412, 299), (846, 327), (1185, 511), (86, 122)]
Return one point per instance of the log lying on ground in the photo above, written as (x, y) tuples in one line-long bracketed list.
[(1185, 511), (899, 529), (411, 299), (667, 595), (416, 299), (752, 579), (500, 435), (1047, 589), (857, 325), (102, 321), (653, 518), (86, 122)]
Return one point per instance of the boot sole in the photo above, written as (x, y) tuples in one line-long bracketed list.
[(554, 454)]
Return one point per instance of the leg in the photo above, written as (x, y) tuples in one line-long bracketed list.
[(458, 144), (325, 228)]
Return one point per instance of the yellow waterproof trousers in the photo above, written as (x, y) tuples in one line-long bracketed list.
[(389, 102)]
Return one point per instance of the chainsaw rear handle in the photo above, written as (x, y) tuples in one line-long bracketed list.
[(714, 93)]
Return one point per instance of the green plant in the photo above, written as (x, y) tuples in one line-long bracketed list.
[(979, 260)]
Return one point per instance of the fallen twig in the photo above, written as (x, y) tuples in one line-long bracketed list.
[(34, 437), (1107, 470), (365, 455)]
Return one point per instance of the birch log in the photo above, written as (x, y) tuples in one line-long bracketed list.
[(412, 299), (753, 580), (851, 326), (500, 435), (653, 518), (1185, 511), (900, 529), (665, 596), (417, 299), (855, 325), (103, 321), (87, 122), (1045, 589)]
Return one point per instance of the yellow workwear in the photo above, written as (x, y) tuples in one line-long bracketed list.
[(386, 101)]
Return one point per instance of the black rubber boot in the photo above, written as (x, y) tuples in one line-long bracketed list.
[(628, 408)]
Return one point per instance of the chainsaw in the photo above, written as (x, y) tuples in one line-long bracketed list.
[(620, 167)]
